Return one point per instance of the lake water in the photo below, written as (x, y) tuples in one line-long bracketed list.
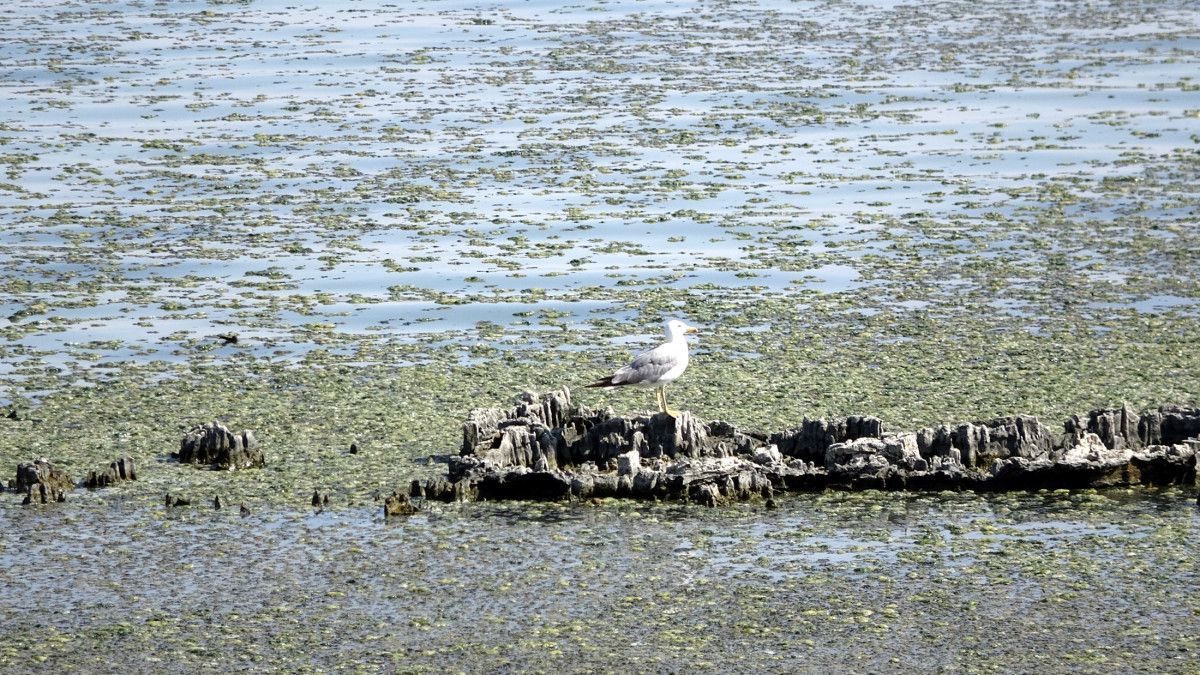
[(159, 157), (835, 582), (925, 211)]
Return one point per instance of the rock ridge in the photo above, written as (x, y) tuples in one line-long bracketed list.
[(546, 448)]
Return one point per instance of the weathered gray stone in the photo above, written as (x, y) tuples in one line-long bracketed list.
[(648, 484), (935, 442), (1092, 449), (548, 411), (1168, 425), (1117, 428), (442, 489), (1168, 464), (217, 446), (629, 463), (902, 450), (857, 450), (767, 455), (1003, 437), (512, 454), (729, 441), (810, 440), (897, 449), (706, 494), (682, 436)]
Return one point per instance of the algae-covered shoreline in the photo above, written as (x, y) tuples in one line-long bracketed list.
[(352, 223), (402, 420)]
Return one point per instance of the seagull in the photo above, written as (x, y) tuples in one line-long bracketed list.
[(656, 368)]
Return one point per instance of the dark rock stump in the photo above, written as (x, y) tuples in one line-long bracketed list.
[(398, 504), (42, 482), (215, 445), (118, 470)]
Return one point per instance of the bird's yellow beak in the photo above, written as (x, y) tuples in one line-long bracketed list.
[(691, 329)]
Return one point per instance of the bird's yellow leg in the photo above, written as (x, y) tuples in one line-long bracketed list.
[(658, 396), (666, 408)]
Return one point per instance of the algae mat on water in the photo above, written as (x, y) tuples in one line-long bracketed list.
[(862, 582), (925, 212)]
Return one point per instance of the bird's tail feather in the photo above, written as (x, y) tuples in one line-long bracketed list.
[(606, 382)]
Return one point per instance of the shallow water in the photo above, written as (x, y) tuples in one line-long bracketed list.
[(845, 582), (525, 151), (926, 212)]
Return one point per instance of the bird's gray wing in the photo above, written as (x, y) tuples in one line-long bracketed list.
[(647, 366)]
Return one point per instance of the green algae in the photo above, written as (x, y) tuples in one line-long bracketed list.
[(967, 582), (418, 222)]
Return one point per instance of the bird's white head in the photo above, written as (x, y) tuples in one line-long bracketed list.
[(676, 329)]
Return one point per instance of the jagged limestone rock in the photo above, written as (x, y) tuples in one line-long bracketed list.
[(936, 442), (1169, 425), (1117, 428), (1003, 437), (767, 455), (810, 440), (629, 464), (519, 436), (514, 453)]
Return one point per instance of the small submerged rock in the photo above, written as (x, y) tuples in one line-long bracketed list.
[(170, 501), (215, 445), (398, 504), (42, 482), (546, 448)]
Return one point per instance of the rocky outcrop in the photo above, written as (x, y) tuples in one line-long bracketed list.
[(1022, 436), (810, 440), (546, 448), (1122, 427), (215, 445), (42, 482), (705, 479), (118, 470), (546, 431)]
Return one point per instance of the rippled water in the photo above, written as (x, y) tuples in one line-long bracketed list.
[(842, 582), (160, 157), (925, 211)]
